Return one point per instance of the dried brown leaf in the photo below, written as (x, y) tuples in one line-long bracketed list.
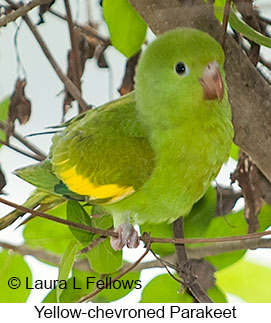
[(101, 61), (226, 200), (128, 79), (44, 8), (255, 188), (2, 181), (86, 51), (19, 107)]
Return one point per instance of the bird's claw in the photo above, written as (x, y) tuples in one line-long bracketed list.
[(127, 236)]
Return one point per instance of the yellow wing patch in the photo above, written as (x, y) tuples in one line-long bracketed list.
[(81, 185)]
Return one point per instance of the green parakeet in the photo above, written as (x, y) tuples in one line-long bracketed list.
[(150, 155)]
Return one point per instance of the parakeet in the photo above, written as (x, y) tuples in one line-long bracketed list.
[(150, 155)]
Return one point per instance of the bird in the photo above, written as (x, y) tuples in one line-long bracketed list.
[(150, 155)]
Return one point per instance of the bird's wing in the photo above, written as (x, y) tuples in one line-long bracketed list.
[(105, 154)]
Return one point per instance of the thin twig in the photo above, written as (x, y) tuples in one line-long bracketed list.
[(25, 250), (36, 157), (21, 11), (265, 62), (86, 28), (262, 60), (165, 266), (29, 145), (130, 268), (145, 239), (59, 220), (93, 244), (225, 22), (265, 19), (44, 255), (74, 91), (24, 141)]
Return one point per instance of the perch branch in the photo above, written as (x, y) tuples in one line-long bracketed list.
[(145, 238)]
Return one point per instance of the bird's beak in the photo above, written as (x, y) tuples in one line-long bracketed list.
[(212, 83)]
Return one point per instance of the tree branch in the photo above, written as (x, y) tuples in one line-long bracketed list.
[(36, 157), (43, 255), (21, 11), (23, 141), (249, 93), (193, 253), (145, 238), (184, 266), (85, 28)]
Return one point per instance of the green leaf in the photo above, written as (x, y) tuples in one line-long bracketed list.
[(68, 295), (122, 288), (247, 280), (65, 265), (264, 217), (198, 220), (103, 259), (13, 265), (243, 28), (36, 198), (127, 29), (233, 224), (201, 213), (83, 283), (219, 9), (234, 153), (77, 287), (47, 234), (39, 175), (240, 26), (103, 220), (51, 297), (161, 230), (217, 295), (164, 289), (4, 106), (76, 213)]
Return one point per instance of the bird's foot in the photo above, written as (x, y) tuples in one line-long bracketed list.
[(127, 236)]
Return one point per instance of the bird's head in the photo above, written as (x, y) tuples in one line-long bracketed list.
[(180, 76)]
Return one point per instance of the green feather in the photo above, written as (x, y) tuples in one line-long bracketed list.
[(155, 150)]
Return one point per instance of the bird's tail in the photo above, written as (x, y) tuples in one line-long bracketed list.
[(38, 199), (50, 191)]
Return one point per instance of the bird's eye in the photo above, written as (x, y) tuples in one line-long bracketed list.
[(181, 68)]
